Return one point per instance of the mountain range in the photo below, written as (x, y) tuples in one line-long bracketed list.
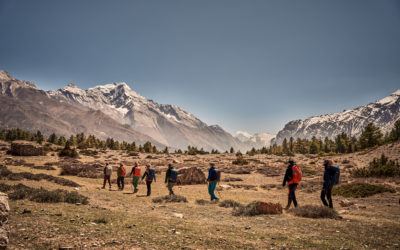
[(111, 110), (382, 113), (115, 110)]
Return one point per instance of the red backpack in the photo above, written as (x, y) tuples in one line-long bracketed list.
[(297, 174)]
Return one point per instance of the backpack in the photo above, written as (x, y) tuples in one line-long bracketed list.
[(297, 174), (336, 176), (136, 172), (217, 174), (174, 175), (152, 174), (123, 172)]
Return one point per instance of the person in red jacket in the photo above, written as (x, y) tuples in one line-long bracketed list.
[(292, 184), (150, 175)]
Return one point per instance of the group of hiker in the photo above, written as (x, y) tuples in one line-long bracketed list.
[(293, 176)]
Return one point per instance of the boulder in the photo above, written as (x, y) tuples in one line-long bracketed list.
[(190, 176), (4, 229), (26, 148)]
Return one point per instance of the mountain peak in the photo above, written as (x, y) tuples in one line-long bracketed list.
[(397, 92), (71, 85), (5, 76)]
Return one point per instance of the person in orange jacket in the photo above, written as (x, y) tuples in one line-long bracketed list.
[(136, 177), (121, 176)]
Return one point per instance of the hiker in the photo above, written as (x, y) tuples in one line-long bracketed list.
[(170, 178), (150, 175), (212, 181), (329, 181), (136, 177), (121, 176), (107, 175), (293, 178)]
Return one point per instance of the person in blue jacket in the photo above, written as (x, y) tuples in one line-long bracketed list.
[(212, 181), (329, 174)]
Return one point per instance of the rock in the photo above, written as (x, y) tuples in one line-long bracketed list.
[(26, 148), (4, 228), (247, 227), (346, 203), (26, 211), (225, 186), (178, 215), (190, 176)]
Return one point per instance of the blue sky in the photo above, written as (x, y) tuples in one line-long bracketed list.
[(249, 65)]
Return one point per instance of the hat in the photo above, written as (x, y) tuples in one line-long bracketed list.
[(121, 164), (291, 162)]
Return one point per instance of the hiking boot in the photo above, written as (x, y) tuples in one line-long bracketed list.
[(103, 188), (135, 191)]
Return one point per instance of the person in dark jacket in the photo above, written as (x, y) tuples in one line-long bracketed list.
[(292, 186), (170, 182), (329, 174), (150, 175), (212, 181)]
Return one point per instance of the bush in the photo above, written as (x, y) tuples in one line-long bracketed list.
[(20, 191), (88, 152), (202, 202), (230, 179), (229, 203), (44, 167), (67, 151), (256, 208), (240, 160), (309, 171), (7, 174), (170, 198), (378, 167), (309, 211), (100, 220), (357, 190)]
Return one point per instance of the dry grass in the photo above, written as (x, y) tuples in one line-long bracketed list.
[(170, 198), (229, 203)]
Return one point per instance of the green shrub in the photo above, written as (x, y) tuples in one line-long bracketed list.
[(309, 211), (357, 190), (309, 171), (88, 152), (240, 160), (378, 167), (67, 151), (229, 203), (312, 162), (20, 191)]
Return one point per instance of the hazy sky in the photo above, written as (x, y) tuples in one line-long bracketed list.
[(249, 65)]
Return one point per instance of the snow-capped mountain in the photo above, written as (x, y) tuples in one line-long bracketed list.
[(257, 140), (383, 113), (168, 124), (25, 106)]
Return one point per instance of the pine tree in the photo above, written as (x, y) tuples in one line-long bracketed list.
[(395, 133), (371, 136), (232, 151)]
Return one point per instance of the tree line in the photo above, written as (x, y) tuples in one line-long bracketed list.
[(371, 136)]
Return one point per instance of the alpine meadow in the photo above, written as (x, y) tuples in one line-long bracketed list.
[(200, 124)]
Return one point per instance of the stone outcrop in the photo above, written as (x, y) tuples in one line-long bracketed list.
[(4, 229), (26, 148), (190, 176)]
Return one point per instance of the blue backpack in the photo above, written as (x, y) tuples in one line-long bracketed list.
[(152, 174), (174, 174), (335, 178)]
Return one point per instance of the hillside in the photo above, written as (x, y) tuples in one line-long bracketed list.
[(115, 219)]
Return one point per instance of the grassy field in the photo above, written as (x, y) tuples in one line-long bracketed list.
[(120, 219)]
